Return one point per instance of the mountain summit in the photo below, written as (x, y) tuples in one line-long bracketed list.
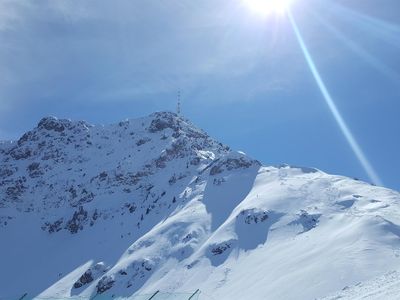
[(155, 204)]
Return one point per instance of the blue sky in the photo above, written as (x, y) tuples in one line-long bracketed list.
[(243, 76)]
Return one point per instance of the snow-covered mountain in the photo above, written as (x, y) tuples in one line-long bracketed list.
[(155, 204)]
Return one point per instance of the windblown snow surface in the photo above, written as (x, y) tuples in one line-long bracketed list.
[(382, 287), (156, 204)]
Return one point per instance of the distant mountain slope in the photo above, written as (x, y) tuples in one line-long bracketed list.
[(156, 204)]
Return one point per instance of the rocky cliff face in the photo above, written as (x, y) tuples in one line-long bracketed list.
[(156, 204), (73, 165)]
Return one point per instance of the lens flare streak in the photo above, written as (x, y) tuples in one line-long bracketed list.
[(333, 108), (386, 31), (360, 51)]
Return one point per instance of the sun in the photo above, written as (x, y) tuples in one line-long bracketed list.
[(268, 7)]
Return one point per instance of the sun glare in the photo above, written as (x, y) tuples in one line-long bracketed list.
[(268, 7)]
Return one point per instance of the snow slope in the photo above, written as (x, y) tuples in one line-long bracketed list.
[(382, 287), (156, 204)]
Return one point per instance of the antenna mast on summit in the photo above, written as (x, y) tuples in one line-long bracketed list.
[(178, 105)]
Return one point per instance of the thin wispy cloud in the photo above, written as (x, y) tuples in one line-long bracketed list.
[(72, 49)]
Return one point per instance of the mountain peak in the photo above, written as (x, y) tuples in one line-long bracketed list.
[(155, 203), (76, 153), (51, 123)]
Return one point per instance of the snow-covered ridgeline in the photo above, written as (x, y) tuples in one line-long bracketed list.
[(156, 204)]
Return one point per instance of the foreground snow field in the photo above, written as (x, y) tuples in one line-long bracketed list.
[(156, 204), (382, 287)]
